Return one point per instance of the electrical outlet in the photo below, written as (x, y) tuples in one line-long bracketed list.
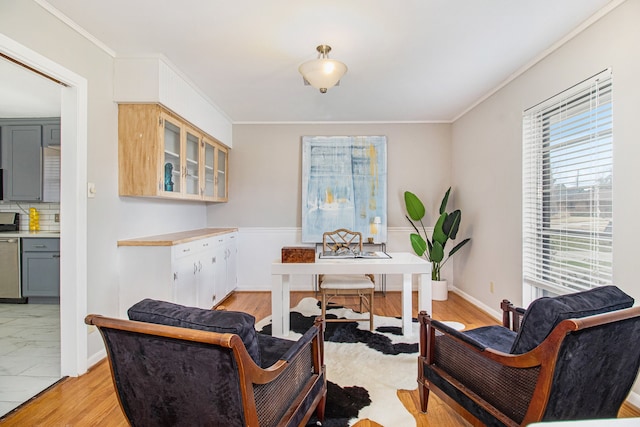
[(491, 287), (56, 217)]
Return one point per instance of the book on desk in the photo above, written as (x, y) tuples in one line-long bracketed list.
[(349, 254)]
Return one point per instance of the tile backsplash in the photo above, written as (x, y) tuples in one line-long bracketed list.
[(48, 212)]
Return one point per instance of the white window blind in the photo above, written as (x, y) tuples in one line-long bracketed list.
[(567, 189)]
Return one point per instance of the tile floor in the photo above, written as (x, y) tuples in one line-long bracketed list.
[(29, 351)]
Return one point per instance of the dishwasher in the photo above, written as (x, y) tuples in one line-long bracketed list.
[(10, 289), (10, 285)]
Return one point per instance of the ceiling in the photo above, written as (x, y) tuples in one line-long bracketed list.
[(414, 60)]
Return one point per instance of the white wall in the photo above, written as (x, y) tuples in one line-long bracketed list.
[(265, 186), (483, 163), (110, 217), (487, 158), (265, 170)]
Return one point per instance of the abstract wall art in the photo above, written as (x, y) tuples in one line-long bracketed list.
[(344, 185)]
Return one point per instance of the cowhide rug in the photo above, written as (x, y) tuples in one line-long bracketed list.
[(364, 369)]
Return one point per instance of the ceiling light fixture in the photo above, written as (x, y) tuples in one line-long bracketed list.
[(322, 73)]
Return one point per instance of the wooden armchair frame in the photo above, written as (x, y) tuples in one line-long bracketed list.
[(536, 369), (257, 385)]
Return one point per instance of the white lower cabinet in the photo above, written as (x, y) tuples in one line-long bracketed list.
[(186, 259), (200, 273), (225, 274)]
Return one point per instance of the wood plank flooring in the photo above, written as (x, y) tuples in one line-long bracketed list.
[(90, 400)]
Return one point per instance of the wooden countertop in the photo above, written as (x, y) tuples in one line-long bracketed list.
[(172, 239), (30, 234)]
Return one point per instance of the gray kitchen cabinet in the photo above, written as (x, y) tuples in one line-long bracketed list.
[(30, 159), (40, 267), (51, 135), (22, 162)]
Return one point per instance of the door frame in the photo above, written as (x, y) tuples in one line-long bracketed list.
[(73, 204)]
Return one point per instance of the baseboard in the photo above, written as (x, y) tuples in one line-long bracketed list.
[(496, 314), (96, 357), (634, 399)]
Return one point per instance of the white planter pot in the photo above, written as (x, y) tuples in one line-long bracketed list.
[(439, 290)]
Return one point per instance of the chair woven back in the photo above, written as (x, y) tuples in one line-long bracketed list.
[(341, 238)]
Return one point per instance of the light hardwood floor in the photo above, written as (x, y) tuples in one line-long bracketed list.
[(90, 400)]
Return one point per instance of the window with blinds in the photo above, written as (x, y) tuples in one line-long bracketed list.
[(567, 189)]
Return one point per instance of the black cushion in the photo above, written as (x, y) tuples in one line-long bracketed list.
[(231, 322), (545, 313)]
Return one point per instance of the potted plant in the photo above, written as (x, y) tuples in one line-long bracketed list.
[(445, 229)]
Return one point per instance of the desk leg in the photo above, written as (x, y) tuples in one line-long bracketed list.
[(424, 294), (280, 305), (406, 305)]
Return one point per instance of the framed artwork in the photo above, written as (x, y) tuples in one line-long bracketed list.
[(344, 185)]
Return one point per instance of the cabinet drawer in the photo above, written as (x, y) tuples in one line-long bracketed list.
[(32, 244), (186, 249)]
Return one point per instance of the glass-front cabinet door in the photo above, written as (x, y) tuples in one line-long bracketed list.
[(209, 170), (163, 155), (172, 155), (215, 171), (192, 164), (221, 174)]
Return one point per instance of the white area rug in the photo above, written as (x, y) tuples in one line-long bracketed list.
[(357, 364)]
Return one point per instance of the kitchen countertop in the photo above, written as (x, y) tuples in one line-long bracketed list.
[(177, 238), (27, 234)]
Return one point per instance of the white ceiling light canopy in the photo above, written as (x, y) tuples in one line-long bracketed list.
[(322, 73)]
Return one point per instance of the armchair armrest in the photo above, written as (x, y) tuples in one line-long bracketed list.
[(443, 327), (303, 341)]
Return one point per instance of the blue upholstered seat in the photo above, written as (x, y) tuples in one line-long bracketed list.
[(183, 366), (574, 356)]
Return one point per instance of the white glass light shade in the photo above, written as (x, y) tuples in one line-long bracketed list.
[(322, 73)]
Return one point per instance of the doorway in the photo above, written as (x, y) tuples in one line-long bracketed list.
[(29, 333), (73, 207)]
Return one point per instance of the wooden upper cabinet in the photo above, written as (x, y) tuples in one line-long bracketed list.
[(215, 175), (162, 155)]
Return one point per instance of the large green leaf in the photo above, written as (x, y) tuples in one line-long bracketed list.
[(458, 246), (418, 244), (445, 199), (437, 252), (414, 206), (450, 226), (438, 231)]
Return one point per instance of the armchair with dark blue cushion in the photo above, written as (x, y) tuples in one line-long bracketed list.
[(564, 358), (183, 366)]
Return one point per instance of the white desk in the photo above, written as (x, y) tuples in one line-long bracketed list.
[(402, 263)]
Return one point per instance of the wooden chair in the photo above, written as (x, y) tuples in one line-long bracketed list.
[(574, 357), (334, 285), (184, 366)]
